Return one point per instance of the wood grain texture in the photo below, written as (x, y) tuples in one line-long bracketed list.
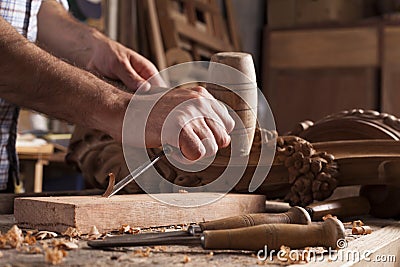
[(141, 210), (384, 242), (341, 47)]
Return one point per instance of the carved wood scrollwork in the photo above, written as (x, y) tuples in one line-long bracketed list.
[(350, 125)]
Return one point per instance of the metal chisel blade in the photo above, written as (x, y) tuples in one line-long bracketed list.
[(131, 242), (141, 169)]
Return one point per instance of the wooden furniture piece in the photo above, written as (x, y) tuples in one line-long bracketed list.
[(140, 210), (292, 13), (310, 73), (40, 154), (191, 30)]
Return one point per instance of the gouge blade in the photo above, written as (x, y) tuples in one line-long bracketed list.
[(117, 241), (141, 169)]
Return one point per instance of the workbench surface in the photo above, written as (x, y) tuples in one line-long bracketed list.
[(384, 242)]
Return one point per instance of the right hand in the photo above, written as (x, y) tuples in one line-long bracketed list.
[(188, 118)]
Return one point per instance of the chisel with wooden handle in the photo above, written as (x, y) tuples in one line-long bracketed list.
[(346, 207), (273, 236)]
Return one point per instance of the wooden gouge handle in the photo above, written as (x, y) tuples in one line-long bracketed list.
[(295, 215), (273, 236)]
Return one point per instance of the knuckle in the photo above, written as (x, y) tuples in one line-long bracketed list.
[(201, 90)]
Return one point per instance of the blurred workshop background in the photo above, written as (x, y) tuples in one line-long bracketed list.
[(313, 58)]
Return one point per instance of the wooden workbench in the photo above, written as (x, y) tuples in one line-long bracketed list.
[(384, 241)]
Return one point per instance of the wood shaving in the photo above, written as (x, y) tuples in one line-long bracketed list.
[(127, 229), (30, 240), (142, 253), (186, 259), (72, 232), (286, 256), (45, 235), (14, 238), (357, 223), (182, 191), (94, 233), (361, 230), (160, 248), (54, 255), (327, 216), (64, 244)]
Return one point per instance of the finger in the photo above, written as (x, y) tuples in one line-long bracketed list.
[(206, 136), (223, 114), (221, 137), (130, 77), (190, 144), (219, 108), (147, 70)]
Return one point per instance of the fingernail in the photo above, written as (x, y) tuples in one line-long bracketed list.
[(144, 86)]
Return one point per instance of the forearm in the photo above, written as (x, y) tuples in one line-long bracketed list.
[(32, 78), (63, 36)]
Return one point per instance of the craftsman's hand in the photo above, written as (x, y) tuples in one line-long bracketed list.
[(188, 118), (115, 61)]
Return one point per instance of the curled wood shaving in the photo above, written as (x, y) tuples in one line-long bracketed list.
[(286, 256), (54, 255), (110, 187), (357, 223), (45, 235), (72, 232), (94, 233), (327, 216), (127, 229), (65, 244), (186, 259), (361, 230)]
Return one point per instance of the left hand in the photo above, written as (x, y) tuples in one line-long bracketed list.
[(116, 61)]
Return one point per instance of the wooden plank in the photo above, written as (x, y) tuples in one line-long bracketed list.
[(141, 210), (338, 47)]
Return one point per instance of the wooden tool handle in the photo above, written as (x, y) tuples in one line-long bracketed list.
[(275, 235), (346, 207), (295, 215)]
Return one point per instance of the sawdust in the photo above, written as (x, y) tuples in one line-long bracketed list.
[(13, 238), (72, 232), (54, 255)]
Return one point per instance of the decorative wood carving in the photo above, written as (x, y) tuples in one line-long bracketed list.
[(350, 125), (301, 172)]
